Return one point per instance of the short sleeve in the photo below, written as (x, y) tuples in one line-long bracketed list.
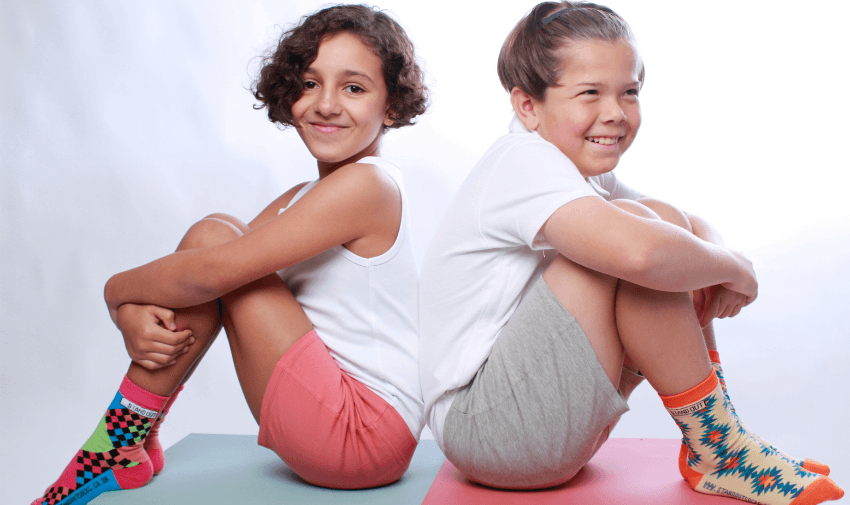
[(610, 187), (528, 183)]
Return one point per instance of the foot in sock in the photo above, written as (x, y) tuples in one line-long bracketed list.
[(809, 464), (152, 445), (721, 457), (113, 457)]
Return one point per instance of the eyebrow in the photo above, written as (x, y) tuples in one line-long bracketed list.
[(346, 73), (597, 84)]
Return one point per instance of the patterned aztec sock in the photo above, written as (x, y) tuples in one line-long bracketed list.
[(152, 445), (113, 457), (809, 464), (719, 456)]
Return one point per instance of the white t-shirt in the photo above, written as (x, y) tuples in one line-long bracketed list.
[(365, 311), (485, 254)]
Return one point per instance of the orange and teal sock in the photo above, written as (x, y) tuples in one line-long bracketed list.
[(719, 456), (809, 464), (113, 457), (152, 445)]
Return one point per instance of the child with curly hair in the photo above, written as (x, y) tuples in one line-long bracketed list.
[(317, 294)]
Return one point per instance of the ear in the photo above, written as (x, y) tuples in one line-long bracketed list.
[(390, 117), (525, 107)]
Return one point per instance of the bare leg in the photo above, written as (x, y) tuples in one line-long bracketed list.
[(659, 331), (204, 321), (661, 335), (675, 216), (262, 320)]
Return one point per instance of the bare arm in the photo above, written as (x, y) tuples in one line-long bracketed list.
[(356, 202), (647, 252)]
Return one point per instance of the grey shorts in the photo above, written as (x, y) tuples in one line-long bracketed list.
[(533, 413)]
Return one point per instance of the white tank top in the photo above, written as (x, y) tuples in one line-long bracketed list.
[(365, 310)]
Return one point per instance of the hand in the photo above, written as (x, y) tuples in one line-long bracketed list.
[(717, 302), (151, 336), (746, 284)]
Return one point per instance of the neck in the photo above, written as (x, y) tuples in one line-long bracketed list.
[(327, 168)]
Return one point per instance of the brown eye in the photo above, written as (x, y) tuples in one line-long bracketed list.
[(310, 84), (355, 89)]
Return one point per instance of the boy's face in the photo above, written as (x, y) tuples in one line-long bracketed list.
[(342, 111), (592, 115)]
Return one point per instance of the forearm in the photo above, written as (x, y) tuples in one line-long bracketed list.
[(177, 280), (672, 259), (626, 240)]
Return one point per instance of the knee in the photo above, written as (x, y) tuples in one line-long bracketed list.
[(636, 207), (213, 230), (667, 212)]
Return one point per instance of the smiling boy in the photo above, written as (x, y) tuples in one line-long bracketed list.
[(549, 284)]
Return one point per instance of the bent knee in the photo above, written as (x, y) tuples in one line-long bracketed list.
[(667, 212), (213, 230), (636, 207)]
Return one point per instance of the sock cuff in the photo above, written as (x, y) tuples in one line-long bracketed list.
[(171, 399), (140, 396), (694, 394), (714, 356)]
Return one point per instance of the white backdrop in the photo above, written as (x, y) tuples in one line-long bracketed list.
[(121, 124)]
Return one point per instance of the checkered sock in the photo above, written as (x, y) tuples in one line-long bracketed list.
[(720, 456), (152, 445), (113, 457), (809, 464)]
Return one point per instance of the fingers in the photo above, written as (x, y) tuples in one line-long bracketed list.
[(166, 317), (698, 299), (160, 349), (720, 303)]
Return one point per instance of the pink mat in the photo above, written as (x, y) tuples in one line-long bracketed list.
[(625, 470)]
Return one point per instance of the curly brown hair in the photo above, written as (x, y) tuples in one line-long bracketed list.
[(281, 79)]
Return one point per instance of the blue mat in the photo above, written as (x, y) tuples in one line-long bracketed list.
[(233, 469)]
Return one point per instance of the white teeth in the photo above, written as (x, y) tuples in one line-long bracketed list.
[(607, 141)]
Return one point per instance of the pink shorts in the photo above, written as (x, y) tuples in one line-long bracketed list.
[(328, 427)]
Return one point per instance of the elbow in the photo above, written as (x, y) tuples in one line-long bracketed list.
[(110, 292), (641, 262)]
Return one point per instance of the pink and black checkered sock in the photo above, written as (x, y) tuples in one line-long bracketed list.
[(809, 464), (152, 445), (113, 457)]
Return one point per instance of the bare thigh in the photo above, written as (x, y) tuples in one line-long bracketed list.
[(262, 319), (590, 296)]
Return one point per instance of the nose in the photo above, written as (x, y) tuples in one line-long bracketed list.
[(612, 111), (327, 103)]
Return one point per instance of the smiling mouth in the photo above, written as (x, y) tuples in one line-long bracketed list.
[(605, 141), (327, 127)]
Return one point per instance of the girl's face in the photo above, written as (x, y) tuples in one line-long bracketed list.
[(592, 115), (341, 113)]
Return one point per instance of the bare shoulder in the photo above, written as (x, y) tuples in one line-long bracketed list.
[(274, 207), (366, 183)]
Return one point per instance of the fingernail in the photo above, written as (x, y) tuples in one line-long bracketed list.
[(191, 340)]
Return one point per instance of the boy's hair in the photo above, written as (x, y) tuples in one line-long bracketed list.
[(529, 57), (281, 79)]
